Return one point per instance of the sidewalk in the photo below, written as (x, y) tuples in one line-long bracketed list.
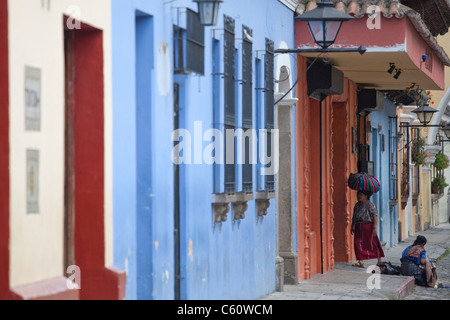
[(346, 282)]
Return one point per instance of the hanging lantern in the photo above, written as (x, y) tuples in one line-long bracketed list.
[(208, 11), (324, 23)]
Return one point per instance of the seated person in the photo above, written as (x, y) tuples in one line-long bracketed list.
[(415, 263)]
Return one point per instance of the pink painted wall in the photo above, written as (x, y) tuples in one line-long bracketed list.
[(393, 32), (416, 47), (355, 33)]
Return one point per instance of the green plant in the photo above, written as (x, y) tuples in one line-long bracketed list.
[(441, 161), (418, 154), (439, 184), (443, 256)]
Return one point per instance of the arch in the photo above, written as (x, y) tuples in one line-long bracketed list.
[(445, 101), (283, 71)]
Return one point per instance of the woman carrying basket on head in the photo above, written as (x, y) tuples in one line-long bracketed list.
[(364, 227), (365, 219)]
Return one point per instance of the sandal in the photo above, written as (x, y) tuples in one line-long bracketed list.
[(358, 264)]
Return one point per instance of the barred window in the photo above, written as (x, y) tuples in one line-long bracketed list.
[(269, 104), (393, 182), (230, 96), (247, 105)]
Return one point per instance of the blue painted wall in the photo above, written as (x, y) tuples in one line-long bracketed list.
[(142, 122), (388, 219), (236, 261)]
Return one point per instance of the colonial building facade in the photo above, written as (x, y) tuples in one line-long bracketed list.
[(358, 130)]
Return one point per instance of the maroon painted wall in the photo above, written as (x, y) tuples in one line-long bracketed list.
[(97, 282), (4, 152)]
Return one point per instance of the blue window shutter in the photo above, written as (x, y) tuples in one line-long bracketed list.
[(247, 103), (270, 112), (189, 46), (230, 96)]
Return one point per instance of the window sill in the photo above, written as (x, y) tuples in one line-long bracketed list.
[(436, 196), (392, 204), (221, 206), (240, 206), (265, 195), (263, 203)]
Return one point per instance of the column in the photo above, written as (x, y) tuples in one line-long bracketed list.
[(286, 257)]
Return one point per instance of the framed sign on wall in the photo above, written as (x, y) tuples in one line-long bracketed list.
[(32, 181), (32, 99)]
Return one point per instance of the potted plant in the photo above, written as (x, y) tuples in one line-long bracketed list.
[(438, 184), (418, 154), (441, 161)]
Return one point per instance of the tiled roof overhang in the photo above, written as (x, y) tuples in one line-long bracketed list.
[(389, 9), (435, 13)]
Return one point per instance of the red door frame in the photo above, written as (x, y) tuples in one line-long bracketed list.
[(97, 281)]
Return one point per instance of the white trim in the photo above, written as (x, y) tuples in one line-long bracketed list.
[(400, 47), (291, 4), (432, 151), (409, 110), (283, 63), (405, 118)]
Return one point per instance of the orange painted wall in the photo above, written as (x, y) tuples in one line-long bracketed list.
[(303, 177), (338, 161), (344, 163), (309, 185)]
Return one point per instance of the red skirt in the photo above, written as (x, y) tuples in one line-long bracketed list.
[(367, 246)]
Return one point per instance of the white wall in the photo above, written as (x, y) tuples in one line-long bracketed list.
[(36, 39), (443, 214)]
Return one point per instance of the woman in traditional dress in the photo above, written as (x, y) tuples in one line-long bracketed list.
[(415, 263), (364, 227)]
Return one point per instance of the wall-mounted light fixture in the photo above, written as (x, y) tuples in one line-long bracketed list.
[(446, 130), (397, 75), (392, 68), (208, 11), (324, 22), (425, 115)]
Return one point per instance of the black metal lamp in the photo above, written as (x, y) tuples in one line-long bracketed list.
[(324, 23), (425, 114), (208, 11)]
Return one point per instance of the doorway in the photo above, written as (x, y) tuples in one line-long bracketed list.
[(316, 206), (69, 169), (376, 156), (180, 242), (176, 184), (84, 231), (144, 143)]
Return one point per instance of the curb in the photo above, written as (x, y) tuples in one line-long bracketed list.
[(405, 288)]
